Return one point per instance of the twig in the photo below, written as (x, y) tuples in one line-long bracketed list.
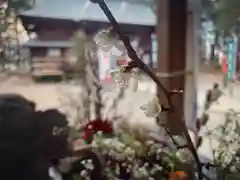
[(208, 165), (169, 134), (138, 63), (116, 99)]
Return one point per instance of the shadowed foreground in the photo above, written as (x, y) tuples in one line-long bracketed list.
[(28, 145)]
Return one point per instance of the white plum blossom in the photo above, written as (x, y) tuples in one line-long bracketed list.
[(103, 41), (108, 44), (185, 156), (152, 108), (125, 80), (122, 79), (134, 81), (54, 173), (88, 164)]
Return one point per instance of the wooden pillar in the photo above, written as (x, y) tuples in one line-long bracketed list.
[(171, 36), (192, 63)]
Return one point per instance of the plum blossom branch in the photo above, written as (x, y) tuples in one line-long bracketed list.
[(138, 63)]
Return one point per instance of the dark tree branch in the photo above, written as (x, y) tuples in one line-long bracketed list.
[(138, 63)]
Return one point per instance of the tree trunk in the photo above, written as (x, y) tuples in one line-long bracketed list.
[(96, 88), (97, 92), (87, 101)]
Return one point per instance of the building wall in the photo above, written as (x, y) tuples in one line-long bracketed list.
[(38, 52), (54, 31), (54, 34), (57, 30), (42, 52)]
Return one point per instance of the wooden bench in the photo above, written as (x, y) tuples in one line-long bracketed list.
[(47, 66)]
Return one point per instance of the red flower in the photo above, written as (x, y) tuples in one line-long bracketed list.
[(95, 126)]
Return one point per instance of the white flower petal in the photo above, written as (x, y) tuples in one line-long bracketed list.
[(122, 79), (134, 82), (152, 108), (185, 156)]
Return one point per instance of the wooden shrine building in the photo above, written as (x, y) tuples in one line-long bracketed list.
[(55, 21)]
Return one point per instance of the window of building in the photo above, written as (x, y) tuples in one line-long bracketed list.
[(54, 52)]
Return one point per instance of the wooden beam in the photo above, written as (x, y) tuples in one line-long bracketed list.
[(171, 36)]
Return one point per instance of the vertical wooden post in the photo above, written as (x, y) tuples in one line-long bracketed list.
[(192, 63), (171, 36)]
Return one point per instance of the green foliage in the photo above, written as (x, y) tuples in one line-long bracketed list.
[(11, 9), (209, 9), (224, 13), (19, 5), (228, 13), (8, 16)]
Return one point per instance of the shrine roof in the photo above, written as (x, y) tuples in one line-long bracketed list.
[(79, 10)]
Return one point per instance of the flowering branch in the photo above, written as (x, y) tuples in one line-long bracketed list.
[(138, 63), (172, 138)]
